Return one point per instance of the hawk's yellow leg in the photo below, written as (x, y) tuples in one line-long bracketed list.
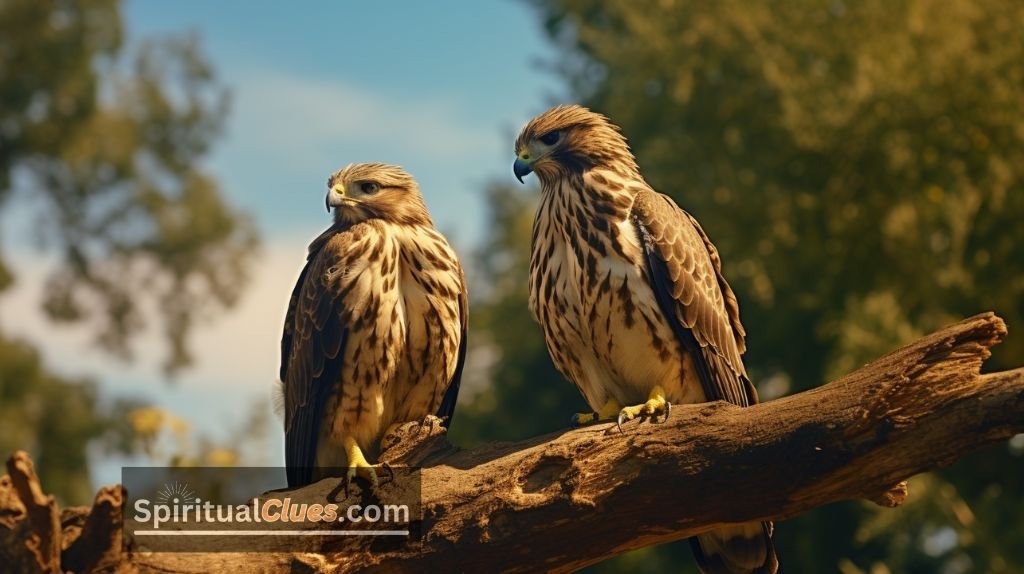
[(655, 405), (607, 411), (357, 465)]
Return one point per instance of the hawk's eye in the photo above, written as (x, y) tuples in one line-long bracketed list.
[(550, 138), (369, 187)]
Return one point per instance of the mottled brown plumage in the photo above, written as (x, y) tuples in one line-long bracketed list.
[(630, 294), (375, 332)]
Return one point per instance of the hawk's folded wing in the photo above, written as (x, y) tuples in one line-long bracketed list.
[(451, 394), (686, 276), (313, 348)]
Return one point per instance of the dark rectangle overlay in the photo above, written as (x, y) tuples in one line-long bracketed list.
[(246, 509)]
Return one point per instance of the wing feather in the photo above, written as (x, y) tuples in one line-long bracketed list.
[(685, 273), (451, 395), (313, 349)]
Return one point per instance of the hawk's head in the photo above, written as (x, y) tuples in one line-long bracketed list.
[(567, 139), (362, 191)]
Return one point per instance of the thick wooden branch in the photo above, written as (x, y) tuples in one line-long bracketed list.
[(566, 500)]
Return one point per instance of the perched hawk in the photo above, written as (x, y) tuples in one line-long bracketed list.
[(630, 294), (375, 333)]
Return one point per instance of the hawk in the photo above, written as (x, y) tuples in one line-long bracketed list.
[(629, 292), (375, 333)]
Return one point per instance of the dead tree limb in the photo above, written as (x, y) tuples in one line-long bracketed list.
[(32, 519), (566, 500)]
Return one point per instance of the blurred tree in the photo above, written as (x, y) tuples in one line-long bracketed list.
[(57, 420), (103, 146), (860, 166), (166, 439), (106, 147)]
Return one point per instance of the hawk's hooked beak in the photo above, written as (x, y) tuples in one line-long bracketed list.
[(522, 167), (335, 198)]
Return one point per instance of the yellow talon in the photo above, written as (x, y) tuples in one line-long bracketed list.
[(655, 405), (580, 419), (607, 411), (357, 465)]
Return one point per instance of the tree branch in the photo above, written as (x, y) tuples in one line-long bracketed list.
[(31, 521), (566, 500)]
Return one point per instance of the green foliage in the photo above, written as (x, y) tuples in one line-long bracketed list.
[(860, 167), (107, 147)]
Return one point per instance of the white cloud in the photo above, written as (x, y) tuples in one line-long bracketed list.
[(283, 114), (239, 350)]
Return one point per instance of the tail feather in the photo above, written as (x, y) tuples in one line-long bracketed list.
[(740, 549)]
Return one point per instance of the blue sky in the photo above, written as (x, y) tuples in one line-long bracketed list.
[(440, 88)]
